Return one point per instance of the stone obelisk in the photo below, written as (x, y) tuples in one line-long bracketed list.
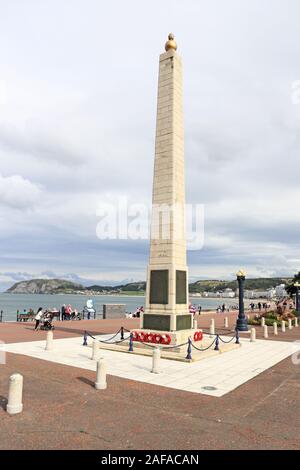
[(166, 307)]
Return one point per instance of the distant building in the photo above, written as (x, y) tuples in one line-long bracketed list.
[(229, 293), (257, 294), (271, 293), (280, 291), (224, 294)]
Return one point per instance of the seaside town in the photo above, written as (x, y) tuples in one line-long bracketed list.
[(149, 290)]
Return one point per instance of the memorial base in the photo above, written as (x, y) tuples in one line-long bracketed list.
[(178, 354), (166, 338)]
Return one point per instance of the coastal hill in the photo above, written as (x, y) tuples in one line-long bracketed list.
[(61, 286), (130, 287), (45, 286), (260, 283)]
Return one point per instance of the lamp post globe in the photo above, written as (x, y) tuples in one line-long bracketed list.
[(241, 323)]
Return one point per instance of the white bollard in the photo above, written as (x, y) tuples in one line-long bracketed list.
[(156, 361), (195, 324), (283, 326), (226, 322), (290, 323), (296, 322), (101, 383), (275, 329), (263, 322), (15, 392), (95, 350), (212, 327), (253, 335), (49, 341), (266, 335)]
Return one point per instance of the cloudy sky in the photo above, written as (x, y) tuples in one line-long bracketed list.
[(78, 83)]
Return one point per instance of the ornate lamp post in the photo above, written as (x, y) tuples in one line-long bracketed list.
[(241, 323), (297, 285)]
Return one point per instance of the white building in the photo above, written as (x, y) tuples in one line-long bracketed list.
[(280, 291), (224, 294), (256, 294), (229, 293)]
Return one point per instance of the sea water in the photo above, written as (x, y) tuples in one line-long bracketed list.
[(10, 303)]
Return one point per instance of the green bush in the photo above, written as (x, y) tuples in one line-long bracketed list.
[(268, 321)]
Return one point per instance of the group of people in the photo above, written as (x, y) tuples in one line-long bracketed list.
[(222, 308), (136, 314), (260, 306), (67, 313), (44, 317), (193, 309), (30, 311)]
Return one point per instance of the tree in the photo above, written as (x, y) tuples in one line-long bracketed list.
[(291, 290)]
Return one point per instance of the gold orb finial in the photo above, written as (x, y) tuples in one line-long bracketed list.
[(171, 43)]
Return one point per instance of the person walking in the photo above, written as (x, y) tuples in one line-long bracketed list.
[(38, 317), (63, 309)]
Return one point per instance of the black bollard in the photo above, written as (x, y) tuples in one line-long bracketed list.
[(131, 343), (85, 339), (122, 332), (217, 343), (189, 349), (237, 337)]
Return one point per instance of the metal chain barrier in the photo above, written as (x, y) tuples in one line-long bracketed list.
[(205, 349), (163, 347), (153, 346), (108, 341), (227, 342), (115, 342)]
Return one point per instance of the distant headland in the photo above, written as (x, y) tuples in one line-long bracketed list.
[(258, 287)]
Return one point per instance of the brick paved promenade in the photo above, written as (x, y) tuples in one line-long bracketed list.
[(62, 410)]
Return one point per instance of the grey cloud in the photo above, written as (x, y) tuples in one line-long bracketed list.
[(38, 144)]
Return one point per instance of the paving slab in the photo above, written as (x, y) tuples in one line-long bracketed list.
[(214, 376)]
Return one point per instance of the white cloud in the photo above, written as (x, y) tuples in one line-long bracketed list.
[(18, 192)]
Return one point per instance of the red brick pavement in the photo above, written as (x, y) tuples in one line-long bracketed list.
[(19, 332), (62, 410)]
